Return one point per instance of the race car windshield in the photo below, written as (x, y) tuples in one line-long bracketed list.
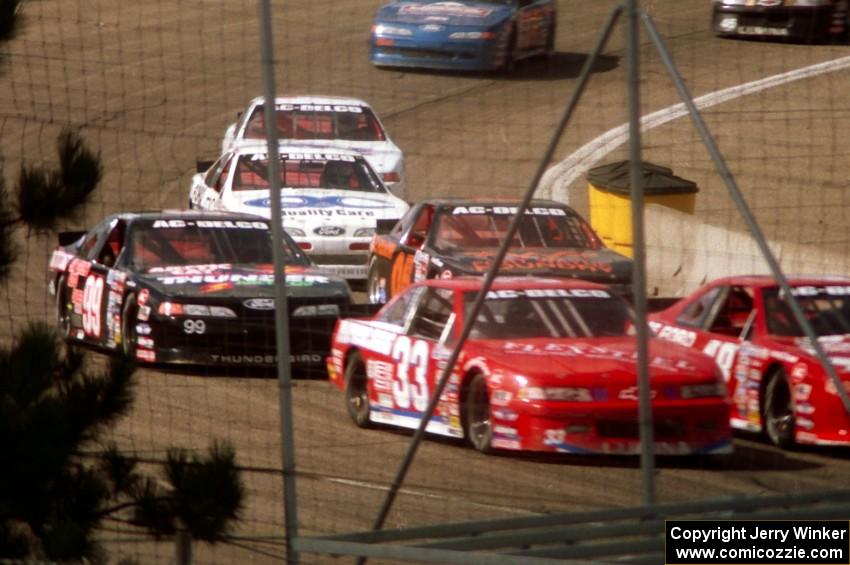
[(161, 243), (345, 174), (515, 315), (826, 308), (318, 121), (479, 226)]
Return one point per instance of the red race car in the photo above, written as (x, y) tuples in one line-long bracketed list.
[(550, 365), (775, 381)]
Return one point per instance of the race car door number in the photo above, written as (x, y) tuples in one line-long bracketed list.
[(410, 382)]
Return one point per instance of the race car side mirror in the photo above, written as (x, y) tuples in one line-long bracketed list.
[(203, 166)]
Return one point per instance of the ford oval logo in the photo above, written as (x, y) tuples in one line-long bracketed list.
[(329, 230), (259, 303)]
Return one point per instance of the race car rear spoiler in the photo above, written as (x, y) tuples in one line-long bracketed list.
[(68, 237)]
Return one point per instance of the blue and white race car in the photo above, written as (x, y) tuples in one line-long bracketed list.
[(325, 121), (466, 35), (331, 199)]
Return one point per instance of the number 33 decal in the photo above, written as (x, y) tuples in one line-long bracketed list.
[(410, 387)]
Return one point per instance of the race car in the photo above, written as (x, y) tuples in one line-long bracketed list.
[(807, 20), (775, 382), (466, 35), (332, 199), (191, 287), (449, 237), (550, 366), (325, 121)]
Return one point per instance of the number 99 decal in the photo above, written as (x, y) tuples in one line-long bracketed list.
[(194, 326)]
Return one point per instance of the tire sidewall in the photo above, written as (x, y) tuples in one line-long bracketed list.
[(783, 438), (469, 411), (129, 314), (356, 383)]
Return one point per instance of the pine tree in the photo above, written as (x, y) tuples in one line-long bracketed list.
[(58, 482)]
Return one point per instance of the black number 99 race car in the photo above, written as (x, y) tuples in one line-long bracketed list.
[(191, 287)]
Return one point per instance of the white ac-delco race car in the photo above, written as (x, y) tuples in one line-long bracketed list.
[(331, 200), (325, 121)]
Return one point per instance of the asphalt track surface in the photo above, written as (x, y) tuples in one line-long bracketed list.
[(153, 85)]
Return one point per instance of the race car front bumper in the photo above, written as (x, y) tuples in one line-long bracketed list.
[(807, 23)]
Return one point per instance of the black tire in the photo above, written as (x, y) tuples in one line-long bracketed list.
[(778, 411), (477, 422), (129, 336), (509, 65), (357, 391), (550, 42), (63, 314), (373, 284)]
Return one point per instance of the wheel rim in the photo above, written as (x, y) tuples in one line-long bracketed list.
[(374, 290), (358, 395), (779, 414), (478, 414), (128, 339)]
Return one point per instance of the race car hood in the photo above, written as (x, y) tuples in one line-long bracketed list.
[(237, 281), (303, 204), (597, 362), (478, 14), (598, 265)]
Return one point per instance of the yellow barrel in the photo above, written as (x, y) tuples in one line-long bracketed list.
[(609, 194)]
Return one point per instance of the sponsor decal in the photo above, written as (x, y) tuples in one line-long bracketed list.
[(432, 27), (505, 414), (368, 337), (144, 313), (256, 359), (381, 374), (146, 355), (186, 270), (505, 431), (500, 397), (590, 351), (329, 230), (501, 443), (343, 108), (306, 157), (60, 259), (567, 260), (674, 334), (78, 268), (506, 211), (217, 224), (259, 303), (445, 8), (547, 293), (632, 393), (326, 206)]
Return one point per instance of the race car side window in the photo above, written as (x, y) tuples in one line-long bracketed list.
[(733, 315), (110, 251), (218, 173), (694, 315), (433, 313), (419, 230), (400, 310)]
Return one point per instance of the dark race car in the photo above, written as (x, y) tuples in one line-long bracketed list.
[(775, 381), (806, 20), (190, 287), (466, 35), (445, 238)]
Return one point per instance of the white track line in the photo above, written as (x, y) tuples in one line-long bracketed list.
[(558, 179)]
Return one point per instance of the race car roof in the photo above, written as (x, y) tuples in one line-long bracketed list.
[(313, 99), (510, 283), (252, 146), (187, 215), (769, 280), (487, 201)]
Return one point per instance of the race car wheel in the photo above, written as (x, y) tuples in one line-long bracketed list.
[(128, 326), (478, 427), (373, 288), (778, 411), (509, 64), (357, 391), (63, 315)]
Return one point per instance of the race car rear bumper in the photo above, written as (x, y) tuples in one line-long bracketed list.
[(445, 55), (799, 22)]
